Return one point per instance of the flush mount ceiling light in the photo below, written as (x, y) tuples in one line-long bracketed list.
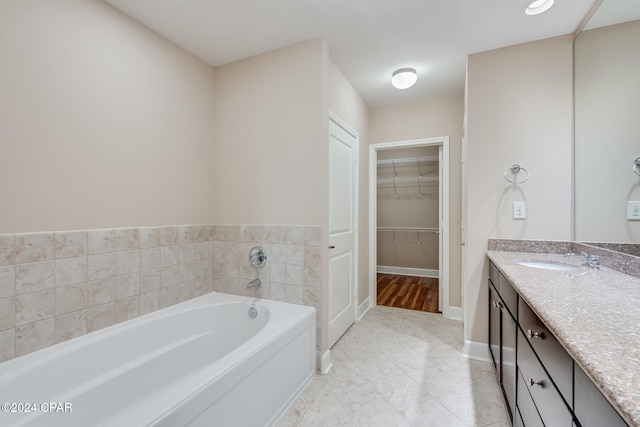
[(537, 7), (404, 78)]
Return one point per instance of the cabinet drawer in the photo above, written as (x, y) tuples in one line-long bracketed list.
[(592, 409), (548, 401), (526, 413), (554, 357)]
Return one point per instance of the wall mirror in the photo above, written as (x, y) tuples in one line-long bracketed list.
[(607, 126)]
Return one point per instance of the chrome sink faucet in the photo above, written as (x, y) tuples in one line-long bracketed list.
[(591, 261)]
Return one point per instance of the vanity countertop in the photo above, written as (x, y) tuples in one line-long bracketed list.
[(594, 313)]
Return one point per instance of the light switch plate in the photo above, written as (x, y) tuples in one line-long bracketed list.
[(633, 210), (519, 210)]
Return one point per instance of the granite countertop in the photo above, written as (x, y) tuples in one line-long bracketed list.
[(594, 313)]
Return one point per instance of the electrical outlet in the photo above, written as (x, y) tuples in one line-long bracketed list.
[(633, 210), (519, 210)]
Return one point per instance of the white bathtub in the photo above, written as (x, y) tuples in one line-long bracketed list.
[(204, 362)]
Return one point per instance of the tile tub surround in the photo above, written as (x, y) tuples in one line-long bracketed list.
[(594, 313), (55, 286), (624, 262)]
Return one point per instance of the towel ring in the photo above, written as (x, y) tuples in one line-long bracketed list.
[(514, 171), (636, 166)]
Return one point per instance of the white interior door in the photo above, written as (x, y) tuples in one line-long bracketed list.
[(342, 259)]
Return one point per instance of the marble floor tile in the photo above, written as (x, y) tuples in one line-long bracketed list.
[(400, 368)]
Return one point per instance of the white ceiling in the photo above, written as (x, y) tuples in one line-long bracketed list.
[(368, 39)]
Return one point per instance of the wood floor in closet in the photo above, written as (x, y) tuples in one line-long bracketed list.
[(413, 293)]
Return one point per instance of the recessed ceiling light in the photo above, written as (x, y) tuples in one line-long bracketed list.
[(404, 78), (537, 7)]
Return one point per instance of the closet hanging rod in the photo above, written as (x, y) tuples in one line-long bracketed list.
[(411, 229), (409, 160), (408, 180)]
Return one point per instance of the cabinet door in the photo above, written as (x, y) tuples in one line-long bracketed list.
[(591, 408), (508, 365), (494, 330)]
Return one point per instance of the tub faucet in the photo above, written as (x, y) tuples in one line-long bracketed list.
[(255, 283)]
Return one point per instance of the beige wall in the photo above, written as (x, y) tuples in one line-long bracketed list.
[(346, 104), (433, 118), (104, 123), (607, 104), (519, 110), (271, 157)]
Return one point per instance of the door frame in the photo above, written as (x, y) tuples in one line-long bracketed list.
[(444, 208), (355, 210)]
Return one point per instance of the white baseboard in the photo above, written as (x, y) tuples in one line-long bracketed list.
[(324, 362), (454, 313), (405, 271), (363, 308), (476, 350)]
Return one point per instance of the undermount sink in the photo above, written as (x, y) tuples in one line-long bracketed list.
[(546, 265)]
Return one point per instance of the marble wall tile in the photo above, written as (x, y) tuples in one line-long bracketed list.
[(69, 326), (70, 298), (287, 293), (127, 285), (169, 255), (34, 336), (247, 233), (101, 241), (312, 235), (34, 277), (7, 344), (278, 273), (312, 256), (312, 276), (127, 262), (201, 251), (34, 307), (101, 291), (169, 236), (7, 249), (278, 253), (149, 302), (295, 235), (127, 239), (149, 259), (101, 266), (186, 253), (7, 313), (186, 234), (295, 254), (7, 281), (149, 237), (101, 316), (168, 295), (295, 274), (34, 247), (127, 308), (149, 280), (70, 271), (71, 244)]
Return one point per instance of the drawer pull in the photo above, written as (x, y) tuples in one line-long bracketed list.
[(497, 304), (533, 335), (532, 382)]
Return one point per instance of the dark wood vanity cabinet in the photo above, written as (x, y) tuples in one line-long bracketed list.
[(540, 382)]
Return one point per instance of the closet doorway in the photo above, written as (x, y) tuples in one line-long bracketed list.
[(409, 224)]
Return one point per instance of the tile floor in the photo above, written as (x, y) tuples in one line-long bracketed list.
[(398, 368)]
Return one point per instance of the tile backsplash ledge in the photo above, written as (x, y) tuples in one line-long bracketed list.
[(55, 286)]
